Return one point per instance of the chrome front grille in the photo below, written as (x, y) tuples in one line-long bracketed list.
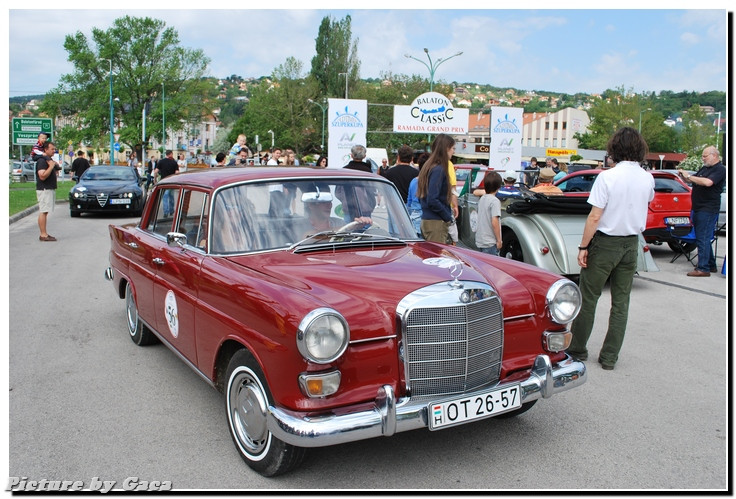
[(102, 199), (453, 348)]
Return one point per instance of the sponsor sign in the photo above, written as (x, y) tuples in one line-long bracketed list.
[(431, 113), (561, 152), (505, 148), (348, 122)]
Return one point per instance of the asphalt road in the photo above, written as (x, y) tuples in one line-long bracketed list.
[(85, 402)]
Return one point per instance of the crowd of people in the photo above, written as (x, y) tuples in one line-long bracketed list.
[(608, 249)]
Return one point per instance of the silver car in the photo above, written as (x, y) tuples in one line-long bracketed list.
[(23, 171)]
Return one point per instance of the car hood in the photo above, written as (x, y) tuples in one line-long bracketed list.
[(366, 285), (107, 186)]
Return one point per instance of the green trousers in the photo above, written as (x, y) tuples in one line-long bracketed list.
[(613, 258)]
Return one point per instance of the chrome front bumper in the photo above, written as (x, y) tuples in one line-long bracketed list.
[(389, 416)]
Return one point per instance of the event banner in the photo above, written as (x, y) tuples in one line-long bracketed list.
[(348, 123), (431, 113), (506, 128)]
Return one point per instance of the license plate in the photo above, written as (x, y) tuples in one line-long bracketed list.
[(120, 201), (479, 406), (677, 221)]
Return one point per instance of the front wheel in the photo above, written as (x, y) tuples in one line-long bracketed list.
[(246, 401), (139, 333)]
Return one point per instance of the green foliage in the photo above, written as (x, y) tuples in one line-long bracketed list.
[(282, 106), (697, 131), (401, 90), (335, 54), (23, 195), (144, 54), (692, 162), (619, 108)]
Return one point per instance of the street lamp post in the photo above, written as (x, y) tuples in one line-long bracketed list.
[(324, 110), (640, 113), (112, 138), (163, 115), (346, 83), (432, 66), (272, 142)]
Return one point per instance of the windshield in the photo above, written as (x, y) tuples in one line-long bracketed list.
[(109, 173), (269, 215)]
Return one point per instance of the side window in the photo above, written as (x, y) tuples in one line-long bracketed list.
[(193, 218), (161, 221)]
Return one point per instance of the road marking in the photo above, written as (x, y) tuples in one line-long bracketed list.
[(681, 287)]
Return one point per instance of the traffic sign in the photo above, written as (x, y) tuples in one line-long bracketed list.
[(26, 130), (116, 146)]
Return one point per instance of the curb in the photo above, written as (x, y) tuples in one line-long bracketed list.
[(28, 211)]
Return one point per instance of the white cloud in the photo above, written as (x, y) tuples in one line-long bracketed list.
[(689, 38)]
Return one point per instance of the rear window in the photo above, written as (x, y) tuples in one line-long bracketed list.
[(668, 185)]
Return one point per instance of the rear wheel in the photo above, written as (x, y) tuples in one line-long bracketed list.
[(247, 398), (139, 333), (511, 247)]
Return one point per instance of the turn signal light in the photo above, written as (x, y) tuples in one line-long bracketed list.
[(557, 341), (319, 385)]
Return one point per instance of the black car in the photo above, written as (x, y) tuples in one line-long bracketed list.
[(108, 189)]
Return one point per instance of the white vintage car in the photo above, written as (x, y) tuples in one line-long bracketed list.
[(544, 231)]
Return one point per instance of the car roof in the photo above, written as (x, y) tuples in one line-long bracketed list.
[(218, 177)]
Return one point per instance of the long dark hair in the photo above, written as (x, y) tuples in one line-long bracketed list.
[(438, 159)]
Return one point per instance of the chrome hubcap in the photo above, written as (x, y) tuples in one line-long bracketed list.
[(132, 311), (248, 413)]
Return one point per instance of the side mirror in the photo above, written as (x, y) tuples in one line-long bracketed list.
[(176, 239)]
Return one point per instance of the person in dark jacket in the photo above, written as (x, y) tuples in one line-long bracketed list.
[(706, 203), (435, 192), (357, 155)]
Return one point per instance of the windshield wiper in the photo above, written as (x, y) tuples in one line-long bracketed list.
[(336, 236)]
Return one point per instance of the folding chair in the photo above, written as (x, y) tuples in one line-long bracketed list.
[(687, 244)]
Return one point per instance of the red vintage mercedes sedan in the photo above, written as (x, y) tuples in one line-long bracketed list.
[(323, 319)]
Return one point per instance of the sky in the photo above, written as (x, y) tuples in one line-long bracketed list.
[(563, 50)]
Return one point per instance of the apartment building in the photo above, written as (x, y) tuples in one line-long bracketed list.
[(554, 129)]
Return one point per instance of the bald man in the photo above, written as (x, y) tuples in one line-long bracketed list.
[(707, 185)]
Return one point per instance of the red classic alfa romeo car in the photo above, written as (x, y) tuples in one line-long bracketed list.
[(323, 319)]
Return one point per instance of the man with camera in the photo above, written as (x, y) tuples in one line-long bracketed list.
[(241, 159), (46, 171)]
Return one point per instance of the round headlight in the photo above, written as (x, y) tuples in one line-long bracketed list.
[(563, 301), (323, 335)]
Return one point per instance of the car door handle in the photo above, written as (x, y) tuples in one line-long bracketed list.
[(133, 245), (158, 261)]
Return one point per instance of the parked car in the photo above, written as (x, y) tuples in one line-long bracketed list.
[(670, 207), (108, 189), (322, 329), (540, 230), (23, 171)]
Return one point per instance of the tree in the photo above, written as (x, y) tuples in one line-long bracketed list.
[(335, 54), (619, 108), (399, 90), (282, 106), (144, 54), (697, 132)]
